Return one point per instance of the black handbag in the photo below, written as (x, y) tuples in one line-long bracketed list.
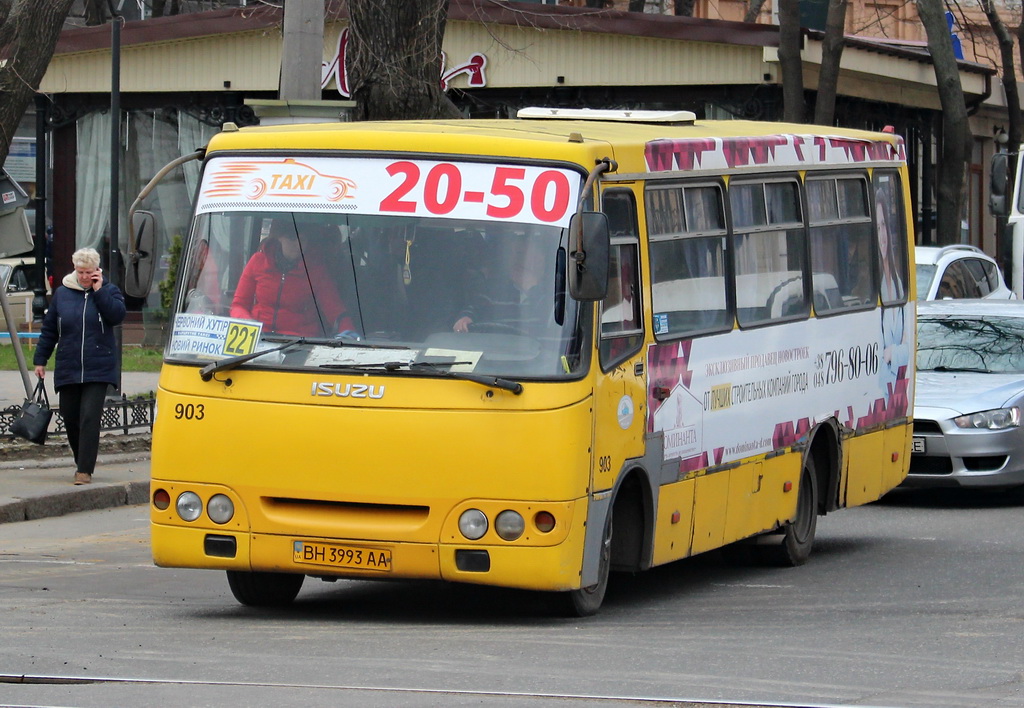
[(33, 422)]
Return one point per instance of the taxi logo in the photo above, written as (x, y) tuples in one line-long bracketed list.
[(289, 178)]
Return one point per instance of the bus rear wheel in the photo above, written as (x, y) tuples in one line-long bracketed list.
[(798, 534), (587, 601), (264, 589)]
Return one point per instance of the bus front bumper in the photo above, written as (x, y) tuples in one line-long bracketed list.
[(549, 568)]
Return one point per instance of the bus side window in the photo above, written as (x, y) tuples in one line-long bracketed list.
[(891, 233), (841, 248), (621, 319), (769, 252), (686, 225)]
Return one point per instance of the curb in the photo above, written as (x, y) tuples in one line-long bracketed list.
[(47, 462), (97, 496)]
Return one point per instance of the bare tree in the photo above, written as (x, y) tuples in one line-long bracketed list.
[(753, 10), (831, 59), (1009, 77), (790, 62), (956, 135), (161, 8), (96, 12), (29, 30), (394, 59)]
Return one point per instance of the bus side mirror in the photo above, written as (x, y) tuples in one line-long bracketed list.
[(140, 263), (588, 261), (997, 200)]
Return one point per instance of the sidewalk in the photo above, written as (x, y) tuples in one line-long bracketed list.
[(38, 485)]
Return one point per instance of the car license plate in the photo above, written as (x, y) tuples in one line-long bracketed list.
[(917, 446), (378, 559)]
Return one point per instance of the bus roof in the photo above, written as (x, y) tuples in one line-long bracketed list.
[(638, 146)]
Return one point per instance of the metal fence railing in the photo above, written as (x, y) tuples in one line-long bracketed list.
[(124, 415)]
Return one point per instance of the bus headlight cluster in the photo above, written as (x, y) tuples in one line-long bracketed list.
[(509, 524), (189, 506)]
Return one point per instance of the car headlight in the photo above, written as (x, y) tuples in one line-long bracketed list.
[(998, 419)]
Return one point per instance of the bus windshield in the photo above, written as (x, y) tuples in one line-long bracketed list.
[(486, 297)]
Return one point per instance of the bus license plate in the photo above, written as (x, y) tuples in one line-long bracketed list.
[(378, 559), (917, 446)]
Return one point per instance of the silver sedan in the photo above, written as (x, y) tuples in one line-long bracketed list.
[(969, 394)]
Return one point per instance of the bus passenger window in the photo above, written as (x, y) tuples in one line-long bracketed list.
[(841, 244), (688, 264), (891, 233), (769, 259)]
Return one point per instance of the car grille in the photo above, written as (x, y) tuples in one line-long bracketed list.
[(930, 465), (922, 427)]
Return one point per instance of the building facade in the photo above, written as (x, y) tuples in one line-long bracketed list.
[(182, 77)]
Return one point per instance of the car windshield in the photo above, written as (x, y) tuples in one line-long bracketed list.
[(412, 293), (925, 273), (992, 344)]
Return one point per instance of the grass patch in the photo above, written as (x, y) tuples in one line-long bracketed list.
[(132, 358)]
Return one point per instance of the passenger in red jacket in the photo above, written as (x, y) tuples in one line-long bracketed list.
[(288, 294)]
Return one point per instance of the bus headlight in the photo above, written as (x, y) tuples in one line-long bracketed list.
[(509, 525), (220, 509), (189, 506), (473, 524)]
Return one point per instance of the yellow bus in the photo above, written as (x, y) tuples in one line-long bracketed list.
[(529, 352)]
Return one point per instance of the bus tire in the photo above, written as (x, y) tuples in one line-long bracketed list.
[(587, 601), (264, 589), (798, 534)]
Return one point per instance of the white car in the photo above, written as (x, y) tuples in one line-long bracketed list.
[(958, 271)]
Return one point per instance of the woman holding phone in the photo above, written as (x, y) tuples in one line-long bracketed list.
[(80, 324)]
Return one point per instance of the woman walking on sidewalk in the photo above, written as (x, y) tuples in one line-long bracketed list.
[(80, 324)]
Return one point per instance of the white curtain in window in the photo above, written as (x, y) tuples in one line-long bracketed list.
[(92, 180)]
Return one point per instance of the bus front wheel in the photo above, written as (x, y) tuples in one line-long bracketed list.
[(587, 601), (264, 589), (798, 534)]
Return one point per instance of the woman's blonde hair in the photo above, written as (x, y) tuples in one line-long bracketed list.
[(86, 258)]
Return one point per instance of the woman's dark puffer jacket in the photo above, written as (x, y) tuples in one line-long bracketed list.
[(80, 324)]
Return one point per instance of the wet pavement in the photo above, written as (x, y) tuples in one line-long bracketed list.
[(36, 481)]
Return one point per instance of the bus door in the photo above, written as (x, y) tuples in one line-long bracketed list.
[(620, 392)]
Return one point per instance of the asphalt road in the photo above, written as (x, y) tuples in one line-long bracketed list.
[(915, 601)]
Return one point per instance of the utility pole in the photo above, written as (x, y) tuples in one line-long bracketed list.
[(114, 263), (302, 50)]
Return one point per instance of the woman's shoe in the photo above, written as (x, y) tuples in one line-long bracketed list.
[(82, 478)]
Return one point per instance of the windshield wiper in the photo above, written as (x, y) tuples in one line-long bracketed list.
[(206, 373), (438, 368), (959, 369)]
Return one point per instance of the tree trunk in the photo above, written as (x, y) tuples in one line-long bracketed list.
[(95, 12), (956, 136), (1009, 77), (684, 8), (753, 10), (28, 35), (793, 108), (394, 59), (831, 59)]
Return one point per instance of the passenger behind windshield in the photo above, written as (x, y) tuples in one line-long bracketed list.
[(287, 293)]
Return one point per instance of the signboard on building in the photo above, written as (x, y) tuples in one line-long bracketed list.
[(21, 160)]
